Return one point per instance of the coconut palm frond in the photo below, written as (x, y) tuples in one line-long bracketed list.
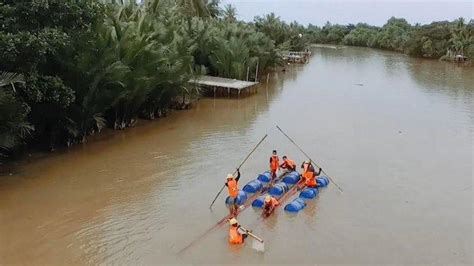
[(9, 78)]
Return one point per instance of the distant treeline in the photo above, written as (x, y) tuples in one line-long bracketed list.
[(436, 40)]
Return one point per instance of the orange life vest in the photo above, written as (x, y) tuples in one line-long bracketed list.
[(275, 162), (290, 164), (233, 188), (310, 178), (234, 236), (273, 203)]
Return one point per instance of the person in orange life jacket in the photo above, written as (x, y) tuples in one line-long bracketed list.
[(269, 205), (309, 174), (274, 163), (288, 164), (236, 234), (233, 189)]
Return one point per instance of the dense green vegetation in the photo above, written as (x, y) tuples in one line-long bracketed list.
[(435, 40), (72, 67), (69, 68)]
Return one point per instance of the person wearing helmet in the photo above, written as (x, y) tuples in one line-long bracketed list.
[(233, 189), (309, 174), (269, 205), (288, 164), (236, 234), (274, 164)]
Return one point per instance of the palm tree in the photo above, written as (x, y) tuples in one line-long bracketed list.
[(230, 13), (13, 126), (461, 38)]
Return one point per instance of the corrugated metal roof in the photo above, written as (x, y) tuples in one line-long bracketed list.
[(223, 82)]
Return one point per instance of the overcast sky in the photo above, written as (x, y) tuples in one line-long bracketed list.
[(373, 12)]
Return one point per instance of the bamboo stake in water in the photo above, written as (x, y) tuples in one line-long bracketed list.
[(256, 71)]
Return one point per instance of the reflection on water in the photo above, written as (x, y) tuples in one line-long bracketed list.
[(394, 131)]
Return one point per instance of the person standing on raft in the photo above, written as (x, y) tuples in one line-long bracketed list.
[(269, 205), (274, 164), (236, 234), (233, 189), (309, 174), (288, 164)]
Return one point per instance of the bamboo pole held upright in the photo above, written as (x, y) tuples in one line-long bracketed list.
[(256, 71)]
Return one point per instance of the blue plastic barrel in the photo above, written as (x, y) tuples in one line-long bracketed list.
[(309, 193), (322, 182), (278, 189), (295, 206), (259, 202), (253, 186), (326, 178), (292, 178), (265, 177), (241, 198)]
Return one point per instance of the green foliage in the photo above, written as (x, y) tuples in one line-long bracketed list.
[(433, 40), (285, 36), (89, 64), (40, 40), (361, 36), (329, 33), (230, 13), (13, 126)]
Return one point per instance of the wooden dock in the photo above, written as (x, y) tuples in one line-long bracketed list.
[(217, 86), (297, 57)]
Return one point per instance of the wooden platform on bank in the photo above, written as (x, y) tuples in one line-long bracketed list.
[(217, 86)]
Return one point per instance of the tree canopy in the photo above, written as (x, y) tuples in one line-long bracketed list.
[(86, 64)]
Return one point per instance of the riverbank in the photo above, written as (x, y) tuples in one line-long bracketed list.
[(122, 64), (9, 165)]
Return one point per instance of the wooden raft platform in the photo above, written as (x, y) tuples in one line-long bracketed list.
[(218, 86)]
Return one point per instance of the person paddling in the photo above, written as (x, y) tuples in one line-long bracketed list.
[(233, 189), (288, 164), (274, 164), (309, 174), (236, 234), (269, 205)]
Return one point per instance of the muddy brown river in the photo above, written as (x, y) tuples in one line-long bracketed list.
[(395, 132)]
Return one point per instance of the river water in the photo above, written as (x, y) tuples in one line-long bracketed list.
[(396, 133)]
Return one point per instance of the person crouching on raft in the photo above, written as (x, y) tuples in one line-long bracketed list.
[(233, 188), (288, 164), (309, 174), (274, 164), (269, 205), (236, 234)]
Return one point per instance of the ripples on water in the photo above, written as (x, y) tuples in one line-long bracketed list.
[(394, 131)]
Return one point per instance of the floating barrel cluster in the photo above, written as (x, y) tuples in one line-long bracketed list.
[(306, 194), (278, 189), (252, 187)]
